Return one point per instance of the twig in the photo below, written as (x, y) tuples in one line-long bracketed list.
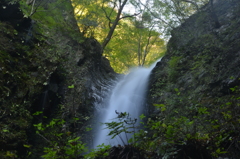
[(128, 16), (44, 138), (32, 8)]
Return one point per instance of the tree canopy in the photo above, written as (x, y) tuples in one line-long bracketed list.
[(132, 32)]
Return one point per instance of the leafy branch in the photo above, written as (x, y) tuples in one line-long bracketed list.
[(125, 125)]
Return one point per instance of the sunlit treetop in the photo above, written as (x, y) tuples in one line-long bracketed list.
[(132, 31)]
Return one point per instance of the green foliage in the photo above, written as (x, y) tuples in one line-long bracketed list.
[(142, 116), (72, 86), (16, 83), (173, 63), (19, 81), (174, 66), (123, 124), (72, 149), (162, 107), (101, 151), (182, 123), (234, 89), (27, 63), (57, 17), (163, 133), (88, 14), (143, 46), (172, 13), (61, 144)]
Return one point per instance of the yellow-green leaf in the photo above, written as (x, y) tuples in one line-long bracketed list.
[(72, 86)]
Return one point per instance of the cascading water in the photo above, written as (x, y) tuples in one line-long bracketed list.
[(127, 96)]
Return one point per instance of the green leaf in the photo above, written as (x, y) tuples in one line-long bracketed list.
[(88, 129), (60, 134), (27, 146), (228, 103), (72, 86), (190, 123), (160, 106), (37, 113), (52, 123), (76, 119), (39, 126), (218, 151), (130, 140), (188, 136), (164, 125), (142, 116)]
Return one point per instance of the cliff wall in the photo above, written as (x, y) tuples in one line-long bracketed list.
[(48, 71), (197, 82)]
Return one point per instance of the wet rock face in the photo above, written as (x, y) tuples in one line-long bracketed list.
[(201, 67), (90, 74)]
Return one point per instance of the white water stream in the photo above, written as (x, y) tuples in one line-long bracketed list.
[(127, 96)]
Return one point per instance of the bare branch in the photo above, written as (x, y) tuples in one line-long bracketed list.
[(35, 10), (105, 12), (149, 10), (128, 16), (44, 138), (147, 47), (109, 15), (32, 7)]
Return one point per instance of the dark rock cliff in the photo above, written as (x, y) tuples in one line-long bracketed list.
[(47, 67), (198, 80)]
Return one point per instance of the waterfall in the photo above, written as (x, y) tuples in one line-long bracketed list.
[(127, 96)]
